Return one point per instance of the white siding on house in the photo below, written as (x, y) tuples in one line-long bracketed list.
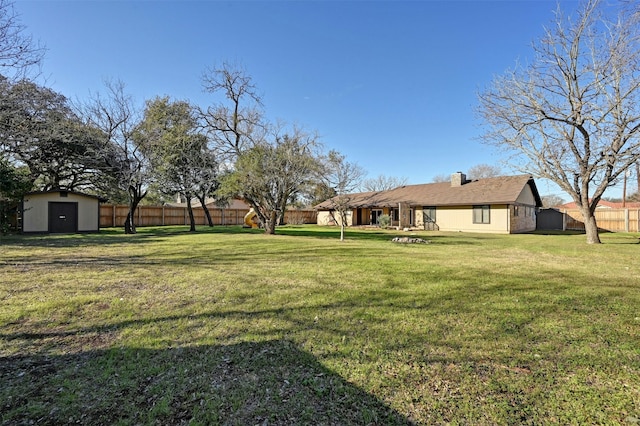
[(325, 218), (460, 219), (526, 197)]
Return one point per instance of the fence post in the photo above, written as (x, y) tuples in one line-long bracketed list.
[(626, 220)]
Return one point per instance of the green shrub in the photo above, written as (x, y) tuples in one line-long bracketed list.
[(384, 220)]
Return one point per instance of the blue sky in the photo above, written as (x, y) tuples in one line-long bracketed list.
[(390, 84)]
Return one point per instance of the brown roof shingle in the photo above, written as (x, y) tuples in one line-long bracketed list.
[(495, 190)]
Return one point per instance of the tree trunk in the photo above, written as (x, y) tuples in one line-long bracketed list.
[(129, 226), (590, 226), (135, 196), (270, 223), (192, 219), (343, 223), (207, 214), (129, 223), (283, 209)]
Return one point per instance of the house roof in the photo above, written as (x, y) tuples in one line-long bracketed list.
[(495, 190)]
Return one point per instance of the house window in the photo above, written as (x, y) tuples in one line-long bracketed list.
[(429, 214), (516, 210), (481, 214), (395, 215), (375, 216)]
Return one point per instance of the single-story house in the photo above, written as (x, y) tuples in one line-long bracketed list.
[(505, 204), (60, 212)]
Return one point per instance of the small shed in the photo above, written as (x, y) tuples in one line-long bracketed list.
[(550, 219), (60, 212)]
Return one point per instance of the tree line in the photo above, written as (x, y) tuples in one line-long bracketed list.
[(571, 114), (109, 146)]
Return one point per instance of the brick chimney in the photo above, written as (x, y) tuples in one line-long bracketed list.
[(458, 179)]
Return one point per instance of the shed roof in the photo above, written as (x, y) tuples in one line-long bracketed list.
[(57, 190), (495, 190)]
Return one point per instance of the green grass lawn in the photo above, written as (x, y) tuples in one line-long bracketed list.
[(229, 326)]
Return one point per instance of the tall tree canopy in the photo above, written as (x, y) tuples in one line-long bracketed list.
[(181, 160), (18, 51), (125, 167), (270, 174), (39, 129), (572, 115), (270, 166), (234, 123)]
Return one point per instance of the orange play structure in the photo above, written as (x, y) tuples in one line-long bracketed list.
[(250, 219)]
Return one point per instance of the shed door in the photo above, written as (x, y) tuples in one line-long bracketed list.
[(63, 217)]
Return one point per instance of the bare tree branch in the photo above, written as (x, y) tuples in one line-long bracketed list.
[(573, 114)]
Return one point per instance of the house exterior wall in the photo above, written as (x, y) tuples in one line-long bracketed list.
[(35, 216), (460, 219), (418, 217), (523, 213), (526, 197), (523, 218), (325, 218), (452, 218)]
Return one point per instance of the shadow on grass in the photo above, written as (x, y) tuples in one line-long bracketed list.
[(108, 236), (80, 240), (272, 382)]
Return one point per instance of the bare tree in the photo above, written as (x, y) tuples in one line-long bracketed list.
[(483, 171), (18, 51), (382, 183), (552, 200), (343, 177), (235, 124), (441, 178), (240, 135), (271, 174), (573, 113), (126, 167)]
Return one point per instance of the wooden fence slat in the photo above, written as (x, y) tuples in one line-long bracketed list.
[(613, 220), (115, 215)]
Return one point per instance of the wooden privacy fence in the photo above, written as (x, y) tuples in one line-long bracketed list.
[(614, 220), (115, 215)]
